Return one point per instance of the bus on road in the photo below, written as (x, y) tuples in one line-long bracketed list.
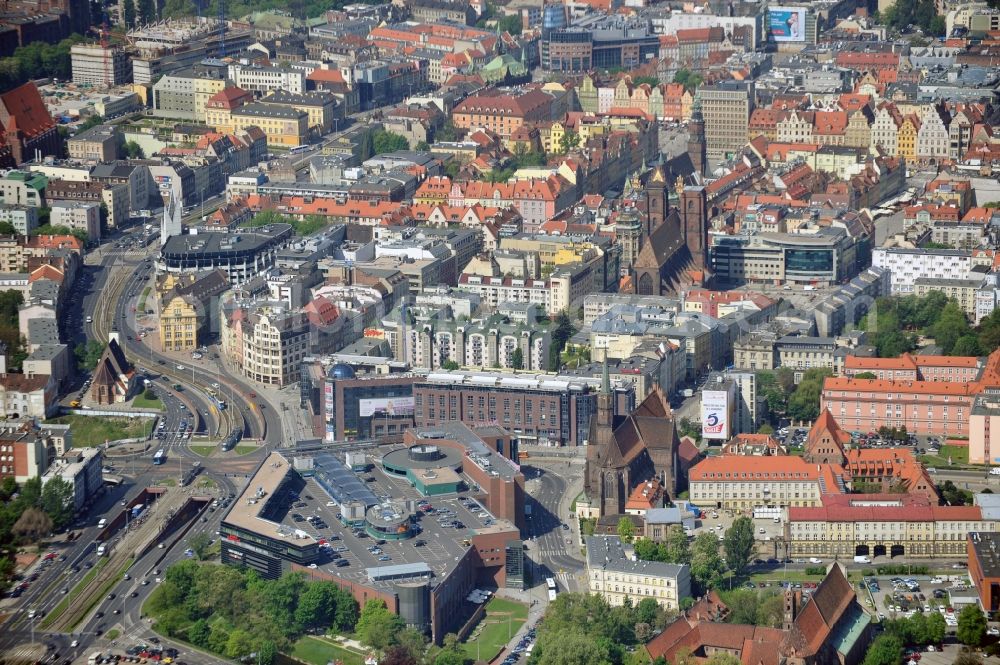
[(160, 457), (551, 584)]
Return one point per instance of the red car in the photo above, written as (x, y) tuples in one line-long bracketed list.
[(50, 556)]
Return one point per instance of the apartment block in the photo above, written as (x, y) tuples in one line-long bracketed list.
[(620, 578), (98, 65), (265, 79)]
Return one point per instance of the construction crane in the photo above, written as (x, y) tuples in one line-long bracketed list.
[(104, 39), (105, 42)]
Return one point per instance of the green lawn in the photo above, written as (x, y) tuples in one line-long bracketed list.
[(142, 299), (502, 621), (204, 451), (958, 454), (141, 402), (244, 449), (91, 431), (206, 483), (319, 651), (112, 634)]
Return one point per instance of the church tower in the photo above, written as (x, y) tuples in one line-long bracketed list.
[(601, 479), (628, 232), (605, 407), (656, 197), (694, 224), (696, 136)]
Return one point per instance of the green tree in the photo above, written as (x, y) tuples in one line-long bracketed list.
[(134, 151), (885, 650), (967, 345), (517, 359), (450, 365), (989, 332), (412, 642), (146, 10), (804, 402), (240, 644), (738, 544), (129, 13), (707, 565), (199, 631), (675, 546), (377, 626), (951, 325), (422, 146), (346, 616), (267, 652), (743, 604), (451, 651), (723, 658), (7, 229), (690, 428), (200, 544), (57, 501), (59, 230), (385, 141), (568, 141), (935, 629), (8, 488), (646, 550), (765, 429), (446, 132), (626, 529), (771, 611), (511, 24), (88, 354), (971, 626), (770, 388), (90, 121), (651, 81), (647, 611), (564, 329)]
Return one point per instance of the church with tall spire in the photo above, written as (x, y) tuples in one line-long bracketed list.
[(626, 451)]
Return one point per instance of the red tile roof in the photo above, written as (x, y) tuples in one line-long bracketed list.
[(23, 106)]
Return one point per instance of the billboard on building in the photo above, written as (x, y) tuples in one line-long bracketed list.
[(787, 24), (715, 414), (390, 406)]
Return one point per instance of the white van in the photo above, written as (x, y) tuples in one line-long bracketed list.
[(995, 471), (101, 549), (862, 559), (103, 522)]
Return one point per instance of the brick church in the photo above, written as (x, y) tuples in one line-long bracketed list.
[(623, 452), (27, 130), (670, 241)]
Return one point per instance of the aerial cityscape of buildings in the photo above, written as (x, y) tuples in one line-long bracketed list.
[(453, 304)]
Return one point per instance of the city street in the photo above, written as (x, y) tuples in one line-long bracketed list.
[(553, 537)]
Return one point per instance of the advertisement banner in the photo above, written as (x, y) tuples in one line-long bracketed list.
[(715, 414), (787, 24), (390, 406)]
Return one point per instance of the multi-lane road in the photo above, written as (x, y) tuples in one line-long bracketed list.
[(553, 538)]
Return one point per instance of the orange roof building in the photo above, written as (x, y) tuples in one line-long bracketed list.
[(745, 482), (829, 627), (882, 525)]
